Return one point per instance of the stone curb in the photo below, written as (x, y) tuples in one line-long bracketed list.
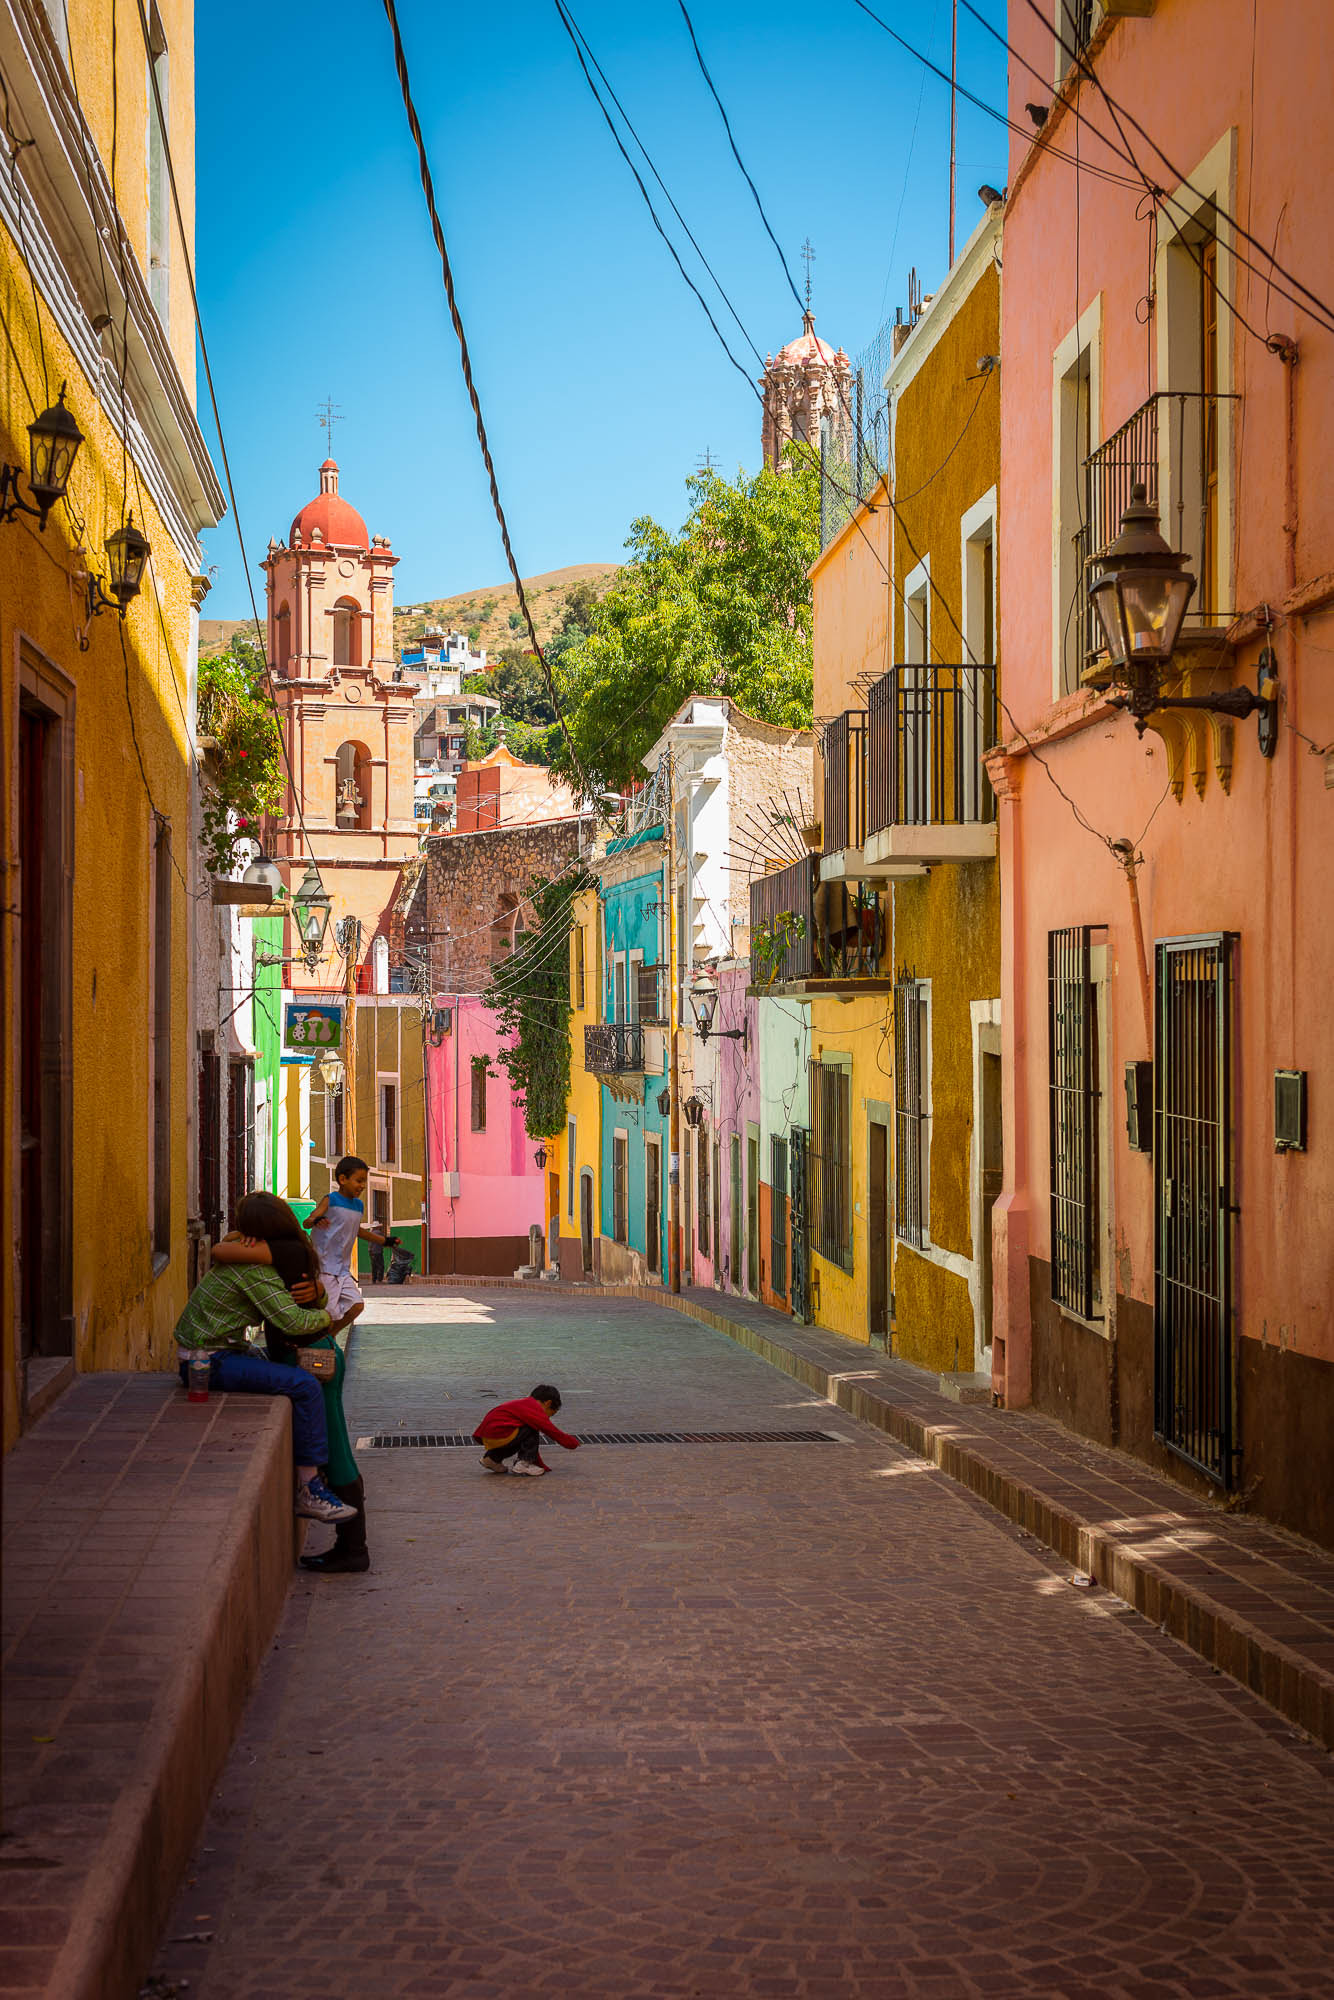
[(128, 1894), (1294, 1686)]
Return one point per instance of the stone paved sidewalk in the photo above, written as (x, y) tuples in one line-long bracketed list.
[(768, 1720), (147, 1551)]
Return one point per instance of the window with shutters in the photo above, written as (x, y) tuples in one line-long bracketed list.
[(831, 1140), (1074, 1093), (479, 1093), (912, 1111), (620, 1207)]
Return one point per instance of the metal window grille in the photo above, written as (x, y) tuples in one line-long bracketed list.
[(778, 1216), (479, 1093), (831, 1152), (1194, 1203), (1074, 1112), (909, 1113), (702, 1190), (734, 1230), (619, 1203), (649, 993)]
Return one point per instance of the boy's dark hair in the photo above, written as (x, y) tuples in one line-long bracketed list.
[(544, 1393), (350, 1164), (269, 1219)]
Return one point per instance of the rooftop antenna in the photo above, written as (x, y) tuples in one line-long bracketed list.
[(329, 414), (705, 464), (808, 258)]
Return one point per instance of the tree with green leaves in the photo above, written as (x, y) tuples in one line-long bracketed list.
[(529, 992), (721, 607), (242, 776)]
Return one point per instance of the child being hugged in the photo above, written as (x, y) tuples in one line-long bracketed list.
[(268, 1233), (233, 1296), (336, 1223)]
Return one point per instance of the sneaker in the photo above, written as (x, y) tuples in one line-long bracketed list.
[(527, 1471), (317, 1503), (490, 1464)]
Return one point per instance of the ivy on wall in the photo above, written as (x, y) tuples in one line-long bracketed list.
[(242, 779), (530, 995)]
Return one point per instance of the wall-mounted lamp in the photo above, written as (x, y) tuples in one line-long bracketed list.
[(53, 445), (127, 553), (540, 1156), (704, 1000), (313, 908)]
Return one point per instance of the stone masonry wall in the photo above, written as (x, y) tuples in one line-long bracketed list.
[(472, 879)]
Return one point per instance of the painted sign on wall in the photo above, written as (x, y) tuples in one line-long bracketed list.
[(308, 1029)]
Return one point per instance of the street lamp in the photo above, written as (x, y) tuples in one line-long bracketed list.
[(704, 1000), (53, 443), (1141, 599), (263, 873), (540, 1156), (127, 552), (313, 908)]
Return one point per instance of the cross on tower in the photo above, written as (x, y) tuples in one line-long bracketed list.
[(808, 258), (329, 414)]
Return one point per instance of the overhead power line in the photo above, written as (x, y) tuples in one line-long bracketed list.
[(437, 230)]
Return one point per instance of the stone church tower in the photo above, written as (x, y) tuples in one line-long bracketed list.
[(808, 396), (348, 723)]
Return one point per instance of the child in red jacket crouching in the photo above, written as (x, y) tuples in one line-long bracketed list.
[(513, 1430)]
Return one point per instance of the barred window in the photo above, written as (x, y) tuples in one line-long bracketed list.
[(1074, 1088), (912, 1098), (479, 1093), (620, 1206), (778, 1215), (650, 1007), (702, 1190), (831, 1147)]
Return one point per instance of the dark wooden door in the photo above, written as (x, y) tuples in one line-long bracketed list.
[(586, 1221), (653, 1206), (877, 1293)]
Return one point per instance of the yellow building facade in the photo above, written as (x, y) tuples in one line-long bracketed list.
[(580, 1149), (96, 711), (942, 706)]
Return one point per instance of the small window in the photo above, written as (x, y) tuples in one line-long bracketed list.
[(620, 1207), (479, 1074), (389, 1124), (912, 1117), (831, 1109), (1074, 1082)]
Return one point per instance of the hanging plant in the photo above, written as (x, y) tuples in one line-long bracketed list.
[(530, 996), (243, 780)]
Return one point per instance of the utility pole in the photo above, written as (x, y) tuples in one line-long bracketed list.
[(954, 112)]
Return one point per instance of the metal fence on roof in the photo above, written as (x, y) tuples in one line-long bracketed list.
[(855, 456)]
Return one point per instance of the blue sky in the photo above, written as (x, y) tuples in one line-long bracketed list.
[(601, 382)]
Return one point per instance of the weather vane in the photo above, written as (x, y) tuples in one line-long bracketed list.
[(329, 414), (808, 258)]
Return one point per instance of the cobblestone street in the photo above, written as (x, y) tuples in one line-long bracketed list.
[(762, 1719)]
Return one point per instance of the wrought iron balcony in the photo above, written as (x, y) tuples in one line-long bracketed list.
[(614, 1048), (928, 797), (844, 757), (1170, 445), (782, 924)]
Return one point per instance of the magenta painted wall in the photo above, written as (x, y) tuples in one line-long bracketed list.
[(501, 1189), (1255, 859)]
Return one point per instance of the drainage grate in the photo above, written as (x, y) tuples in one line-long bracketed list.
[(458, 1440)]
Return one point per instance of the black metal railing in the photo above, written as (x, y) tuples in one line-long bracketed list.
[(927, 730), (782, 924), (844, 758), (614, 1048), (1175, 432)]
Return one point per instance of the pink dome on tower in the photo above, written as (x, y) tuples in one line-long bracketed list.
[(807, 346), (338, 521)]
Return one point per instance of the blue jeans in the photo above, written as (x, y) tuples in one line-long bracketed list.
[(250, 1374)]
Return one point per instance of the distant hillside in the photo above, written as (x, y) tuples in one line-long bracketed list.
[(490, 615)]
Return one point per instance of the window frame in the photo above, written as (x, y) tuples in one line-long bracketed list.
[(387, 1129), (778, 1200), (571, 1155), (912, 1112), (620, 1186), (1078, 1281), (1078, 358), (832, 1232), (479, 1072)]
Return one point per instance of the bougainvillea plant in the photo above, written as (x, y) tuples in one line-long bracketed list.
[(242, 779)]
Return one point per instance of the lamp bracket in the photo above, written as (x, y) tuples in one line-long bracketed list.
[(12, 503)]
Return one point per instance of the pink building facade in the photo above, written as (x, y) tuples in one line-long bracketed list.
[(1163, 1248), (486, 1188)]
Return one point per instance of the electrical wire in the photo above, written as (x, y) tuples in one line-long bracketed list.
[(437, 231)]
